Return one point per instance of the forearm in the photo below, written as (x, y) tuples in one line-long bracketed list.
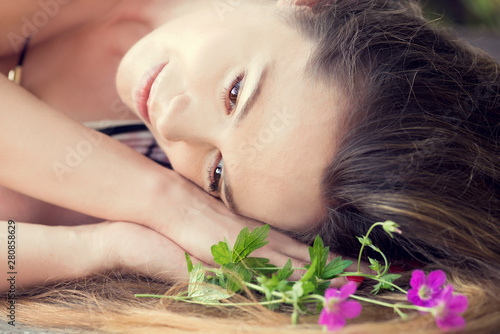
[(36, 254), (50, 157)]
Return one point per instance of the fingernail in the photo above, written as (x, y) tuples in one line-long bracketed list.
[(357, 279)]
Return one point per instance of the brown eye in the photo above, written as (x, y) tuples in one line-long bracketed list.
[(215, 176), (234, 93)]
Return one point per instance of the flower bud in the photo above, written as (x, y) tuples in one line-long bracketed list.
[(390, 226)]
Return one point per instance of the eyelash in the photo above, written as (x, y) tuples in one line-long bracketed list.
[(213, 176), (229, 105)]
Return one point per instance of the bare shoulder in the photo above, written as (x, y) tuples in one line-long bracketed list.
[(81, 30), (44, 19)]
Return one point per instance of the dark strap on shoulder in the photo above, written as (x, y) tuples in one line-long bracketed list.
[(117, 130)]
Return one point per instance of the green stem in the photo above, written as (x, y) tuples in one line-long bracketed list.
[(386, 267), (393, 306), (185, 299), (278, 268), (274, 293), (403, 315), (374, 277), (314, 297), (363, 244)]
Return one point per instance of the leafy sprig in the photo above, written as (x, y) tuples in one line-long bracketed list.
[(239, 273)]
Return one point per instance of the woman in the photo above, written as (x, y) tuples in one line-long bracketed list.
[(413, 120), (92, 174)]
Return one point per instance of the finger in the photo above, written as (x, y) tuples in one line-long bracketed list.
[(287, 246), (181, 273)]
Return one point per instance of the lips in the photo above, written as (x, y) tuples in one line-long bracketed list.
[(143, 90)]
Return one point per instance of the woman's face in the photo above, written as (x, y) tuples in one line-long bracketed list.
[(235, 112)]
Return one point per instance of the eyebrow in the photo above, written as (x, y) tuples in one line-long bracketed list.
[(228, 193), (244, 111), (250, 101)]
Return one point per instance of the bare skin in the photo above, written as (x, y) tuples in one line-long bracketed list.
[(90, 39)]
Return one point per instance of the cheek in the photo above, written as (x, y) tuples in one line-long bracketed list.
[(284, 208), (272, 184), (186, 161)]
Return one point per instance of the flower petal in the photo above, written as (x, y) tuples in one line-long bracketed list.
[(417, 279), (458, 304), (446, 293), (323, 317), (332, 321), (350, 309), (348, 289), (414, 298), (450, 321), (331, 293), (436, 279)]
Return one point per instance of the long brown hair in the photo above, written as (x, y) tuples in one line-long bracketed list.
[(419, 145)]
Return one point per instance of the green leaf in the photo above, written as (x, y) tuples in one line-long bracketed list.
[(376, 288), (375, 265), (335, 267), (383, 285), (204, 292), (189, 262), (196, 276), (365, 241), (390, 277), (308, 287), (209, 293), (310, 272), (239, 245), (321, 288), (375, 248), (320, 252), (286, 272), (284, 286), (221, 253), (259, 265), (237, 276), (247, 242), (298, 290), (270, 284)]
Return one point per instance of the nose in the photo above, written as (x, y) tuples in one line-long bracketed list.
[(182, 119), (173, 118), (184, 106)]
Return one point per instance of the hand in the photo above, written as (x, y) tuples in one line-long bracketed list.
[(195, 221), (133, 248)]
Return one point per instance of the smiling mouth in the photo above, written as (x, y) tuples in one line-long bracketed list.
[(142, 93)]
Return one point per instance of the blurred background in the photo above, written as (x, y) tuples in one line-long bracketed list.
[(475, 20)]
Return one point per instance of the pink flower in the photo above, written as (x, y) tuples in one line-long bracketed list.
[(429, 292), (425, 291), (337, 308), (448, 308)]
